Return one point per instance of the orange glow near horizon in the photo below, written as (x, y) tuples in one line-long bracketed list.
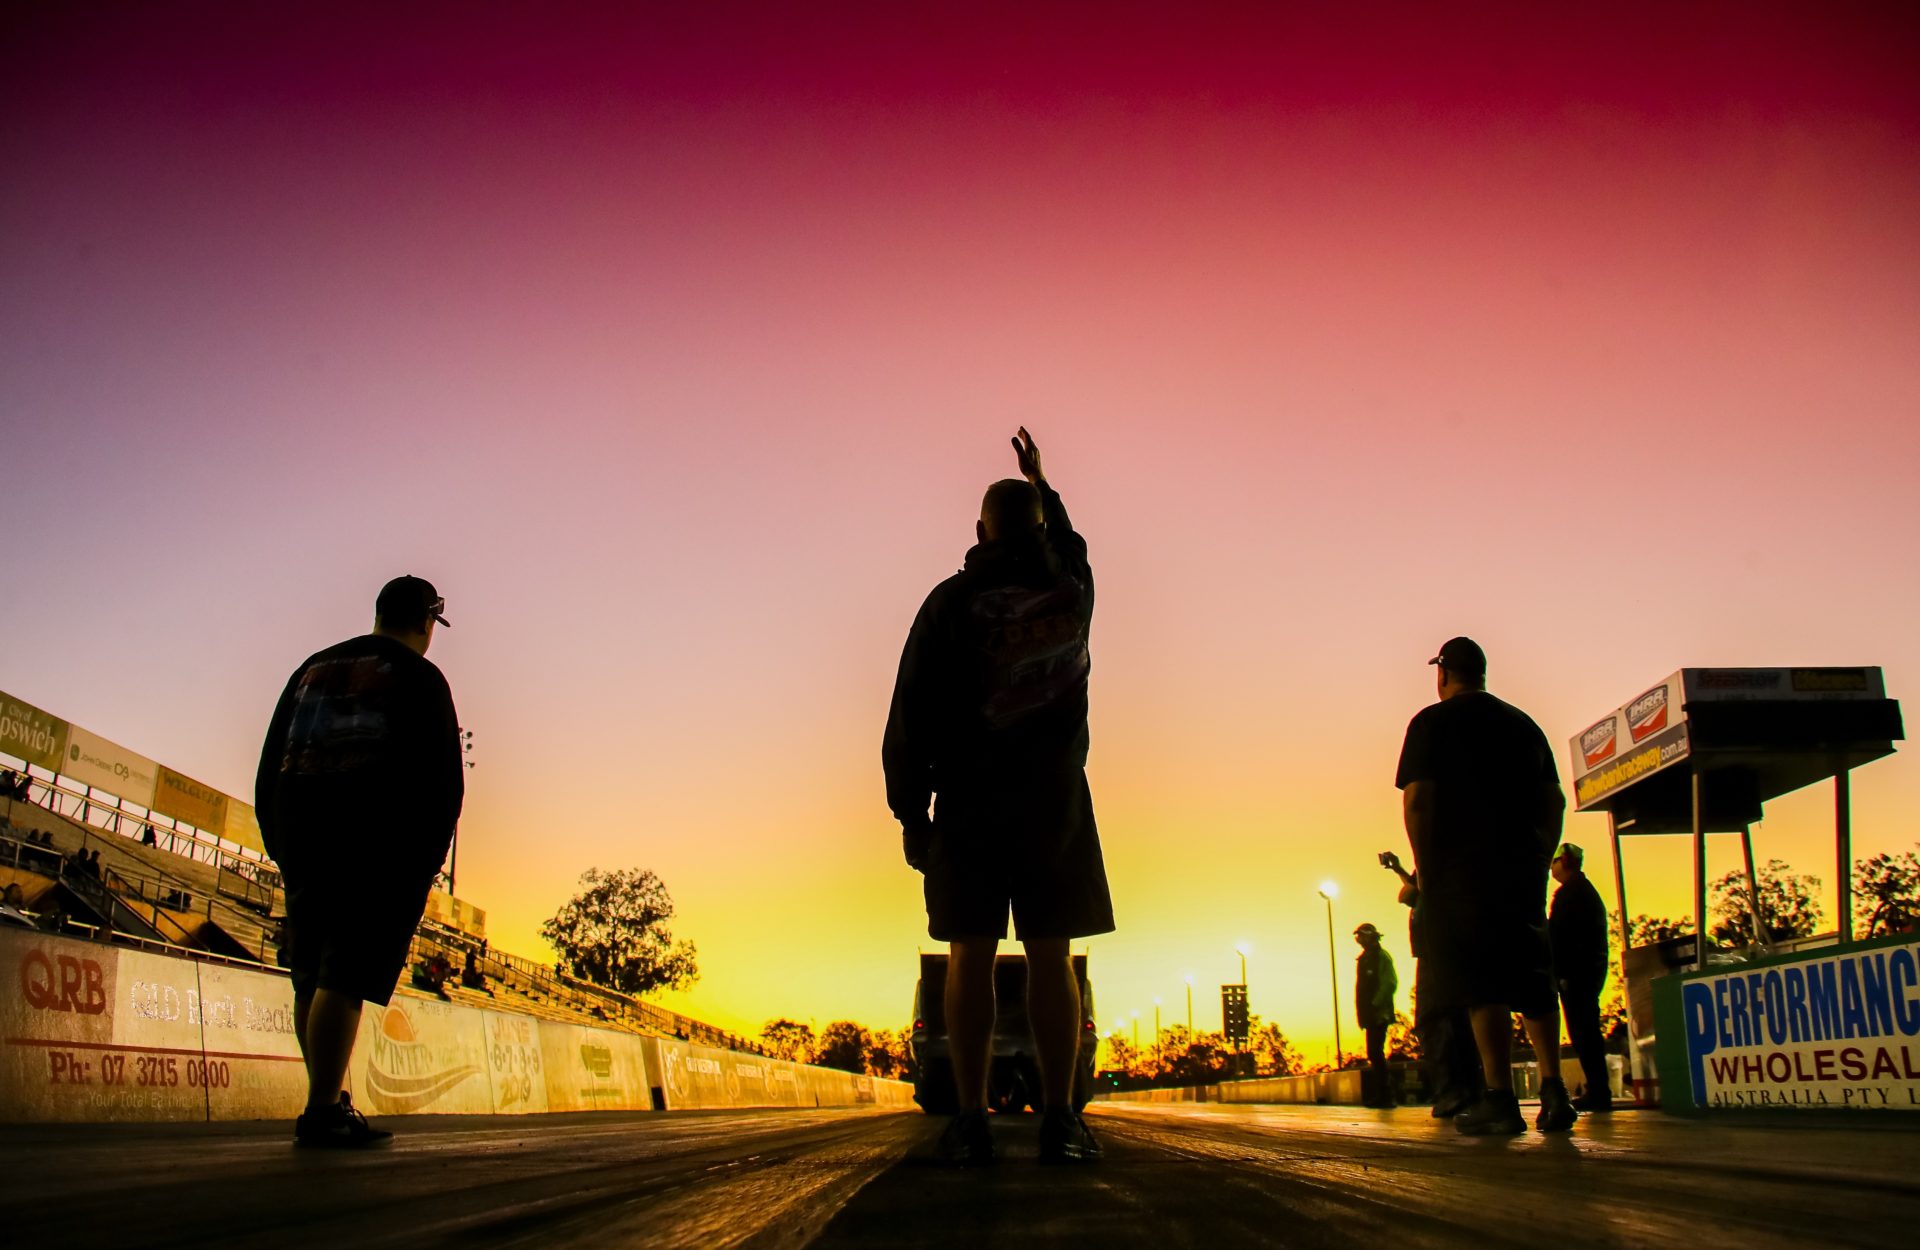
[(677, 356)]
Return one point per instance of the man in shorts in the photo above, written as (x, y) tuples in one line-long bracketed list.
[(360, 785), (1483, 810), (990, 715)]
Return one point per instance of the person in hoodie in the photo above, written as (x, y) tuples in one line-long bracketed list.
[(988, 727)]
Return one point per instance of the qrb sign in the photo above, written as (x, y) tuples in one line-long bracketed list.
[(1841, 1030)]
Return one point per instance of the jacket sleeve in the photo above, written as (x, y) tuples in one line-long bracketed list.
[(907, 750), (1061, 536), (266, 779), (444, 771), (1389, 983)]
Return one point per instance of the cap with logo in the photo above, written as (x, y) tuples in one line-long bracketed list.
[(410, 598), (1569, 851), (1462, 655)]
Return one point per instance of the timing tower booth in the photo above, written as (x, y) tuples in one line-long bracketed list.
[(1835, 1023)]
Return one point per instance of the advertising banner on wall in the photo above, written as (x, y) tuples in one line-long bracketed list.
[(1826, 1031), (179, 797), (253, 1069), (243, 826), (93, 761), (516, 1063), (31, 734), (416, 1056), (593, 1069)]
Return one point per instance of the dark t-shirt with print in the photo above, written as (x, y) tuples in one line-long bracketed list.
[(362, 765)]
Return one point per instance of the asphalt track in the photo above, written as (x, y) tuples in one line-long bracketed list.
[(1175, 1176)]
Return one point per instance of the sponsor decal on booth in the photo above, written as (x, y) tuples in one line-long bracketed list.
[(1658, 752), (1597, 743), (1843, 1031), (1647, 715)]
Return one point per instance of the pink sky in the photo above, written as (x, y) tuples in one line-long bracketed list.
[(678, 354)]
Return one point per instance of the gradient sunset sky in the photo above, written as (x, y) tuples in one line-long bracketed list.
[(677, 348)]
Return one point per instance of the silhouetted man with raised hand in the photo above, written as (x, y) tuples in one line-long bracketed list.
[(1483, 809), (1577, 922), (359, 789), (990, 715)]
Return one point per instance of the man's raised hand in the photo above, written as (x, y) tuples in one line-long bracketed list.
[(1028, 453)]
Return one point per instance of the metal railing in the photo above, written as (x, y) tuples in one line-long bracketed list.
[(81, 804)]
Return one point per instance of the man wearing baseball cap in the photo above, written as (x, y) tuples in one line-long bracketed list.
[(1577, 922), (1483, 808), (359, 788), (1374, 985)]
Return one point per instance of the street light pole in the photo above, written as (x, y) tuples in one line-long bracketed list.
[(1189, 1006), (1327, 891)]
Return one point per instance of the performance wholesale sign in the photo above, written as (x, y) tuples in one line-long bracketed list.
[(1837, 1031)]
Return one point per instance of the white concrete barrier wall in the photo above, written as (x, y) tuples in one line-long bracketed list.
[(693, 1076), (90, 1032)]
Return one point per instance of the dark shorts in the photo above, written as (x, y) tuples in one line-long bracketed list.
[(1481, 948), (343, 937), (1031, 848)]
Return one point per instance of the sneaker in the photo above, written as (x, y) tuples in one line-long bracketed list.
[(967, 1141), (1594, 1100), (1065, 1138), (340, 1126), (1496, 1114), (1556, 1110)]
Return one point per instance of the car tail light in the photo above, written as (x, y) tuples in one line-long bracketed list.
[(1088, 1026), (919, 1025)]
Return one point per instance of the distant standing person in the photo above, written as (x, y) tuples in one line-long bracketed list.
[(1577, 922), (990, 715), (359, 789), (1374, 985), (1483, 808)]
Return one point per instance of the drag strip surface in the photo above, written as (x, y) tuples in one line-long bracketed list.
[(720, 1179), (1208, 1177)]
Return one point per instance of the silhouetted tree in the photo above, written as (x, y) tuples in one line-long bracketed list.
[(1402, 1041), (889, 1054), (843, 1045), (788, 1039), (1650, 929), (614, 933), (1787, 906), (1273, 1054), (1122, 1056), (1886, 894)]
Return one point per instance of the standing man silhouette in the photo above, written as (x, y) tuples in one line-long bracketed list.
[(990, 715), (360, 785), (1577, 922), (1483, 808), (1374, 985)]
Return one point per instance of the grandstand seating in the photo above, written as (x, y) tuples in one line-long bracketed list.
[(234, 916)]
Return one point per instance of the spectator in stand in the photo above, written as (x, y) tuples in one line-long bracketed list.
[(472, 977), (360, 786), (149, 837), (1577, 923), (93, 866)]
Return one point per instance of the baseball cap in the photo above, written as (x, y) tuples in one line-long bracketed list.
[(1569, 851), (1367, 928), (1462, 655), (410, 598)]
